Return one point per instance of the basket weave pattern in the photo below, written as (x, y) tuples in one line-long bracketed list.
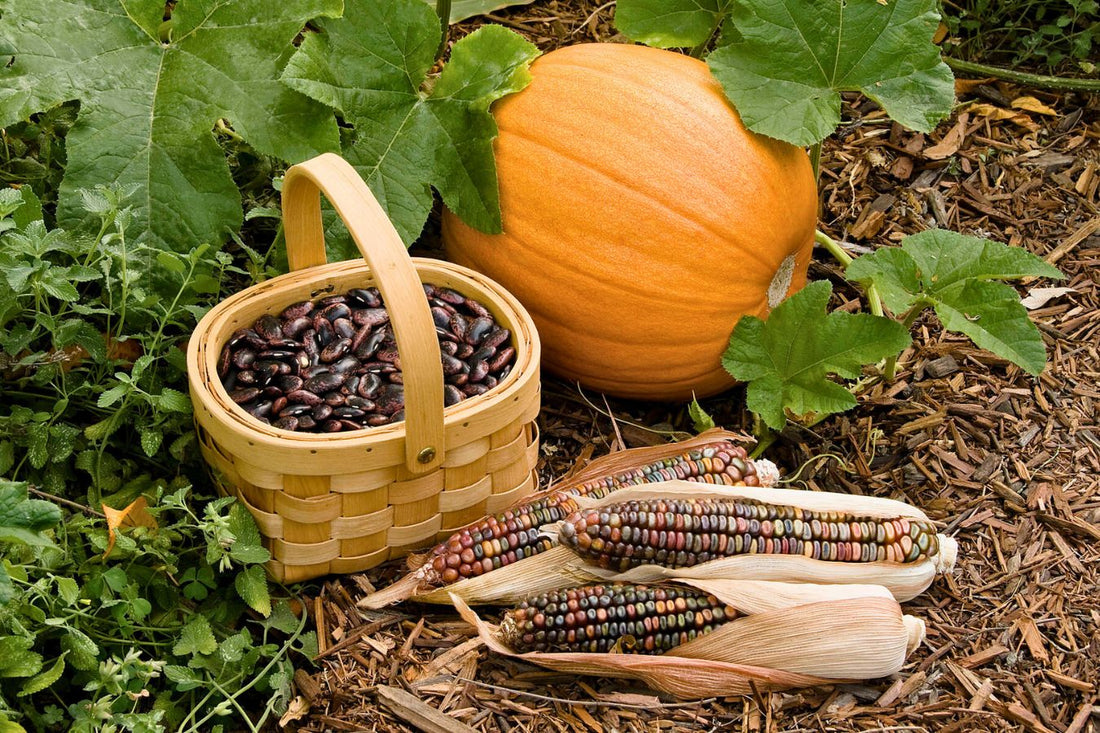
[(344, 502)]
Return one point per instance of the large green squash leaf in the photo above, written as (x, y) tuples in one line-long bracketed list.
[(411, 133), (787, 359), (788, 61), (670, 23), (954, 274), (151, 92)]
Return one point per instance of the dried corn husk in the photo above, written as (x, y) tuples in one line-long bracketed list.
[(818, 635), (904, 580), (487, 588)]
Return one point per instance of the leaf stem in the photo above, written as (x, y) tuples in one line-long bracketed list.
[(443, 10), (907, 320), (66, 502), (698, 51), (765, 436), (874, 300), (815, 160), (1039, 81)]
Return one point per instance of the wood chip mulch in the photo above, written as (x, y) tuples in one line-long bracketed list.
[(1006, 463)]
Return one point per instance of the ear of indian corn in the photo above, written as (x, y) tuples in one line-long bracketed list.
[(904, 578), (508, 537), (816, 636), (511, 535), (683, 532), (623, 618)]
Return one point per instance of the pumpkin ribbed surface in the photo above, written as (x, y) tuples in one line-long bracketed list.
[(641, 219)]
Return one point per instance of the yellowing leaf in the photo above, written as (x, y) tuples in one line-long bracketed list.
[(296, 710), (997, 113), (951, 141), (1031, 104), (134, 515)]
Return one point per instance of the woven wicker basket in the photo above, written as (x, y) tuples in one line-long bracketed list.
[(344, 502)]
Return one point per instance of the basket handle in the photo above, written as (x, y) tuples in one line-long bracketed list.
[(385, 253)]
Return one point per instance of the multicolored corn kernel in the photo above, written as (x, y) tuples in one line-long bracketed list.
[(511, 535), (623, 618), (685, 532)]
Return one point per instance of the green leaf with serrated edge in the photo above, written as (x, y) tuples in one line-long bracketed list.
[(953, 273), (282, 618), (83, 652), (991, 315), (184, 678), (44, 679), (699, 417), (28, 211), (150, 441), (787, 359), (148, 107), (242, 525), (790, 60), (7, 588), (16, 658), (173, 401), (67, 589), (670, 23), (408, 140), (17, 511), (249, 554), (7, 456), (251, 585), (38, 436), (195, 638), (944, 257)]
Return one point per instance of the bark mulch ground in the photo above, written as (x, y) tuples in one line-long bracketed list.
[(1008, 464)]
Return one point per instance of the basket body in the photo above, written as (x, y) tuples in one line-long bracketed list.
[(345, 502)]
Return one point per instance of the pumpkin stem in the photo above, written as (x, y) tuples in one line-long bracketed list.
[(815, 160)]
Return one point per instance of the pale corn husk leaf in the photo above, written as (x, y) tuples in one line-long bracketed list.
[(759, 596), (904, 581), (847, 638), (678, 676), (481, 589)]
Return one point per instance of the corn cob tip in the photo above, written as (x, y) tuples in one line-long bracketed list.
[(916, 629), (401, 590), (767, 472), (948, 554)]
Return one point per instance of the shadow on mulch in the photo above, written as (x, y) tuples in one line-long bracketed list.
[(1006, 463)]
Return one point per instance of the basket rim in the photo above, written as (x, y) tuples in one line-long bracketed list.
[(202, 372)]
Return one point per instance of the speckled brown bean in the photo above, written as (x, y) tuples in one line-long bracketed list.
[(459, 325), (244, 394), (303, 308), (269, 327), (496, 338), (503, 356), (224, 360), (294, 328), (452, 395), (335, 350), (303, 397), (370, 317)]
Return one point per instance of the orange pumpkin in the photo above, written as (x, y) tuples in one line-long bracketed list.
[(641, 219)]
